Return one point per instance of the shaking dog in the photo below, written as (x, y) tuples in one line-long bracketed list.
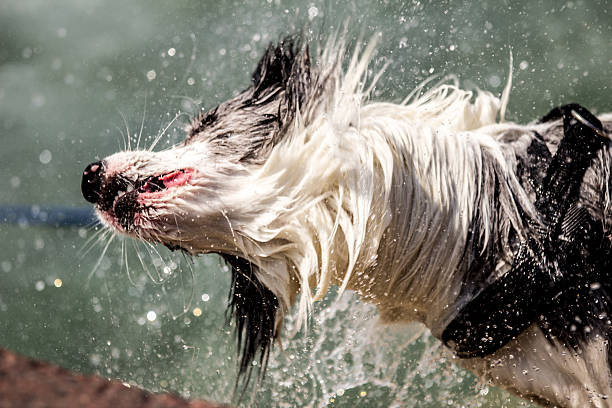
[(496, 236)]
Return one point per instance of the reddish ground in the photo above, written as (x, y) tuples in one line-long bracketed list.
[(26, 383)]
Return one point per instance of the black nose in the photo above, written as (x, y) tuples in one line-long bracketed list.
[(92, 182)]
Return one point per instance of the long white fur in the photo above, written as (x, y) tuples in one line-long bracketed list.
[(373, 197), (333, 180)]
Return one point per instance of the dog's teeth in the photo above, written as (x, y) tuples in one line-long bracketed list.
[(120, 192), (130, 188)]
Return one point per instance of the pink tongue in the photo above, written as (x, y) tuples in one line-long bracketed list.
[(178, 178)]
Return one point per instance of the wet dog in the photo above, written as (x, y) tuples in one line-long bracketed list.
[(494, 235)]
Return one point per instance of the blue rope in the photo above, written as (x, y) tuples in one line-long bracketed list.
[(57, 216)]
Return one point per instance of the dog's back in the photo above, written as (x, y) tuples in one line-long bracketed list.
[(564, 357)]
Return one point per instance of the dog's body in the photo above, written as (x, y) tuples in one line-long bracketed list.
[(299, 184)]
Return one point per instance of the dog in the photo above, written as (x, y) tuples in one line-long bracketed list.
[(496, 236)]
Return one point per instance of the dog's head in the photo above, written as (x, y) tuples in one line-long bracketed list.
[(190, 196)]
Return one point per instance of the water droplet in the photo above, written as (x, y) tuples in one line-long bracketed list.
[(15, 181), (45, 156), (95, 359), (38, 100), (69, 79), (494, 81), (313, 12), (39, 244), (151, 75)]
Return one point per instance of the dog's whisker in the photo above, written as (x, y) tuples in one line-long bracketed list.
[(187, 301), (187, 306), (100, 258), (128, 271), (123, 137), (142, 262), (127, 130), (144, 114), (94, 239), (150, 248), (163, 132)]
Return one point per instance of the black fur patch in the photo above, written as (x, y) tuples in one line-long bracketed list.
[(274, 67), (287, 66), (126, 208), (560, 274), (204, 120), (108, 190), (254, 309), (247, 126)]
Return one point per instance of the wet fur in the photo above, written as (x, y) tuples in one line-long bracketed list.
[(300, 183)]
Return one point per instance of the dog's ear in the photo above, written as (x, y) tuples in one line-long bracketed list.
[(275, 66), (253, 122), (254, 309), (284, 66)]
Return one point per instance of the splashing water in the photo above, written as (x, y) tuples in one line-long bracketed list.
[(348, 357)]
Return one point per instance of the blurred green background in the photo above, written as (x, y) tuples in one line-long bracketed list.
[(77, 75)]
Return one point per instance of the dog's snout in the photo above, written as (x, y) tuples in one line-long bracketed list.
[(92, 182)]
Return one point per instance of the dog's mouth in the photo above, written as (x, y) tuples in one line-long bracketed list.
[(123, 200), (153, 184)]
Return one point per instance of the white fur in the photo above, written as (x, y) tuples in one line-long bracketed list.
[(535, 369), (372, 197)]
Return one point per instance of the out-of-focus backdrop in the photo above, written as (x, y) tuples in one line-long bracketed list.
[(78, 78)]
